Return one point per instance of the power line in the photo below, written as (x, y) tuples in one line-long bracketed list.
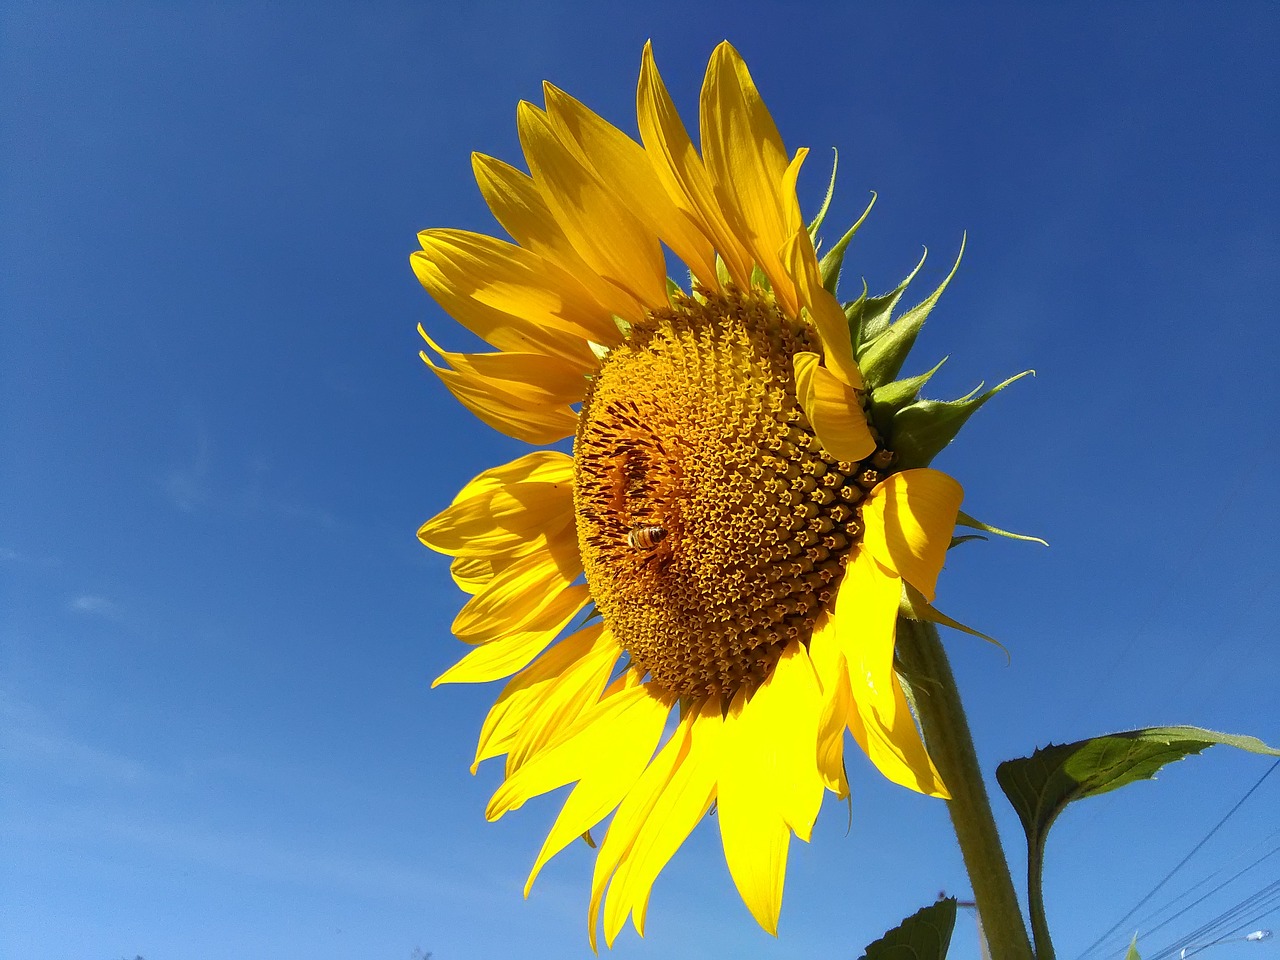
[(1266, 901), (1181, 863), (1142, 923), (1216, 929), (1162, 596), (1224, 883)]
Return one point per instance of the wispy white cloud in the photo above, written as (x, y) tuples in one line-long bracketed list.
[(94, 606), (29, 738), (187, 486), (246, 491), (298, 862), (18, 558)]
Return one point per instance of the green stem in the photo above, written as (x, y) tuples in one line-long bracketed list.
[(946, 733), (1035, 898)]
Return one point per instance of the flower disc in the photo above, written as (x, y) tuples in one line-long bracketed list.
[(712, 526)]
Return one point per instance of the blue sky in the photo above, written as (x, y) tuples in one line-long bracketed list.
[(218, 630)]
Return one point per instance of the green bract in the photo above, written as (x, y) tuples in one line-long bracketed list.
[(916, 428)]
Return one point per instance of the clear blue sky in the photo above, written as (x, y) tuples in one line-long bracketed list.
[(217, 442)]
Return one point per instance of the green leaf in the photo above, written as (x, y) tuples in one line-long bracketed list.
[(925, 935), (892, 397), (920, 430), (829, 267), (884, 356), (816, 223), (873, 318), (965, 520), (1041, 786)]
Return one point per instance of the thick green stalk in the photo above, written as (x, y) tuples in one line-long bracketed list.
[(946, 733)]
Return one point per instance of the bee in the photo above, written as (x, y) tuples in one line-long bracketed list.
[(645, 537)]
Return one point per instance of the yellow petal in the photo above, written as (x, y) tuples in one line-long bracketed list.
[(754, 835), (824, 309), (787, 708), (623, 166), (864, 620), (680, 805), (507, 407), (606, 235), (509, 297), (632, 814), (833, 676), (682, 172), (770, 784), (518, 206), (610, 775), (534, 378), (521, 593), (494, 516), (833, 409), (748, 163), (541, 466), (513, 198), (471, 574), (506, 654), (527, 689), (580, 748), (564, 700), (910, 517)]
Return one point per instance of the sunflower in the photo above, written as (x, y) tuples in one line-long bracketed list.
[(696, 604)]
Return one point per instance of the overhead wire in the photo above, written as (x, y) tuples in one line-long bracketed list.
[(1272, 840), (1181, 863), (1257, 905), (1206, 896), (1142, 923)]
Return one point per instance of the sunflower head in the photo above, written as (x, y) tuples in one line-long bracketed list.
[(713, 525), (746, 505)]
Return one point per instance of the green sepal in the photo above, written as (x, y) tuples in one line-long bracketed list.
[(833, 260), (674, 289), (722, 272), (853, 314), (1042, 785), (816, 223), (920, 430), (759, 278), (878, 310), (589, 614), (1132, 952), (886, 352), (963, 519), (965, 538), (892, 397), (925, 935), (623, 325), (914, 606)]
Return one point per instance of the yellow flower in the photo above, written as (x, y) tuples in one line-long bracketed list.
[(733, 522)]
